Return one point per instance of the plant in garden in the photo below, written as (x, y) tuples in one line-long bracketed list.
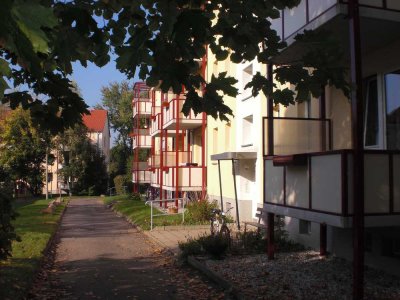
[(190, 247), (199, 211)]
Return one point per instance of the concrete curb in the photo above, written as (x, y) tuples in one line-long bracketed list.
[(230, 290)]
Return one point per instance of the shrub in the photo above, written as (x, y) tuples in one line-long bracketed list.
[(119, 182), (215, 245), (7, 215), (190, 247), (250, 241), (199, 211), (135, 197), (91, 190)]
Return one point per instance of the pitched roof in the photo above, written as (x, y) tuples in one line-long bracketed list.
[(95, 120)]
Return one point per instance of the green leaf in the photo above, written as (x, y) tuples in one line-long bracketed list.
[(4, 68), (32, 18), (3, 87)]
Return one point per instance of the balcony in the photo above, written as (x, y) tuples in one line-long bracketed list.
[(330, 15), (184, 158), (155, 178), (156, 128), (140, 165), (311, 14), (141, 138), (297, 135), (172, 116), (142, 176), (321, 191), (154, 161), (190, 178), (142, 108)]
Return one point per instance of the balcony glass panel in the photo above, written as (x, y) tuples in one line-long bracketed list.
[(141, 165), (296, 135), (317, 7), (184, 157), (295, 18)]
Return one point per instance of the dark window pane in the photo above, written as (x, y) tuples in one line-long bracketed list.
[(392, 90), (372, 114)]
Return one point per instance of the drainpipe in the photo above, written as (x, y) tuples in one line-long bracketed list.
[(236, 198), (270, 138)]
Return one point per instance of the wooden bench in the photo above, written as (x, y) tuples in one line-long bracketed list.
[(260, 214)]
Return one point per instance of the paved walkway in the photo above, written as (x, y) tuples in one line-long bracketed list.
[(101, 256), (169, 237)]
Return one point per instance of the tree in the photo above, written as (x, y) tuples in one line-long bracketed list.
[(117, 99), (119, 156), (23, 149), (83, 164), (164, 40)]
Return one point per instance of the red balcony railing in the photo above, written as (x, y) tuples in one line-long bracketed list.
[(156, 125), (190, 178), (173, 111), (141, 108), (142, 176), (141, 138)]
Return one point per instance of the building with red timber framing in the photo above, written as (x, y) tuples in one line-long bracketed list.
[(176, 157)]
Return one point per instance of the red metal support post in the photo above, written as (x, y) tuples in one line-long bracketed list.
[(177, 142), (358, 155)]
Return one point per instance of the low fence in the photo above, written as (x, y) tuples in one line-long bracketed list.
[(165, 211)]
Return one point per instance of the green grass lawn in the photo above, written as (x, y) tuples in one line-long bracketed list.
[(34, 229), (139, 213)]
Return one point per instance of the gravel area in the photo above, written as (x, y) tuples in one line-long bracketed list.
[(300, 275)]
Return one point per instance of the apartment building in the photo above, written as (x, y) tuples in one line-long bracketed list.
[(99, 134), (176, 165), (235, 161), (331, 165)]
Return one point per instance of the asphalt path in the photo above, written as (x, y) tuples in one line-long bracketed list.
[(101, 256)]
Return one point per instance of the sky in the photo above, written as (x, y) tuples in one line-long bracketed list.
[(91, 79)]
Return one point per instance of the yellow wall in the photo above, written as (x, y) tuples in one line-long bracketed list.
[(220, 138)]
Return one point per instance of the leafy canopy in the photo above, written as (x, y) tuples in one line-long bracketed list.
[(23, 149), (161, 41)]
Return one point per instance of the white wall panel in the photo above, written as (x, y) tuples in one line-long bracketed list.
[(297, 186), (376, 181), (326, 183), (273, 179)]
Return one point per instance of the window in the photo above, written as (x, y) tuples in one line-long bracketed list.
[(392, 93), (372, 124), (215, 140), (382, 111), (247, 134), (247, 75), (304, 227)]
